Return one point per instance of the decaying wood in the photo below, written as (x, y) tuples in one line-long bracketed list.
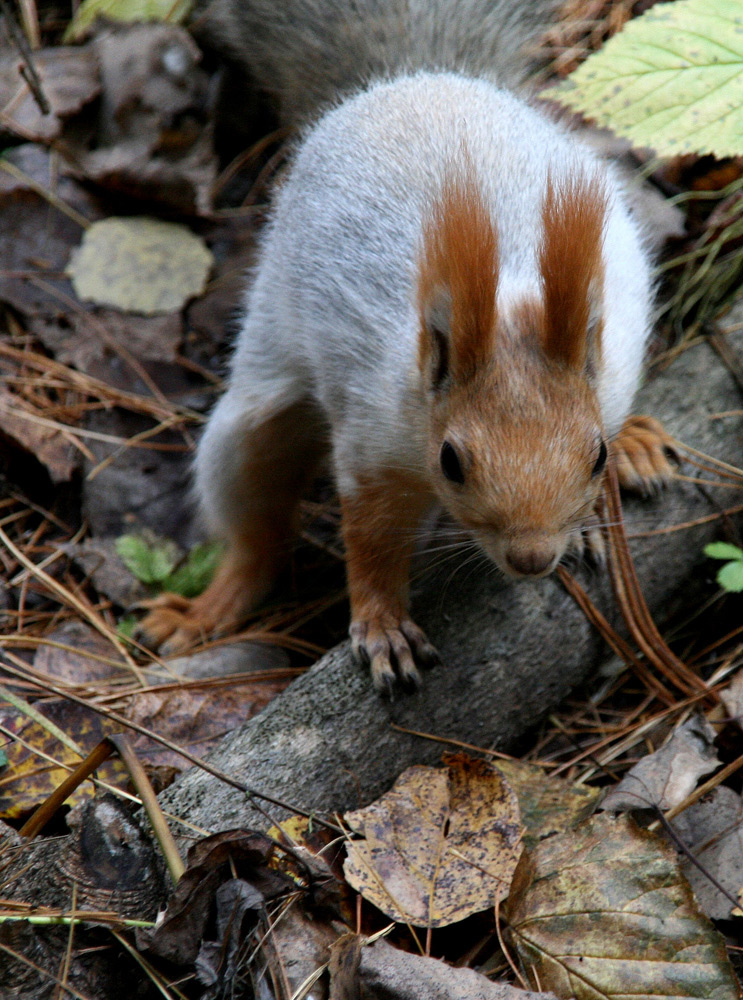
[(103, 871), (511, 651)]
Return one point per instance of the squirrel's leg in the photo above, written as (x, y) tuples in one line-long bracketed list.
[(644, 455), (250, 477), (380, 520)]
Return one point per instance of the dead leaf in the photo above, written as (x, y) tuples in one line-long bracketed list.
[(241, 854), (67, 658), (69, 81), (712, 830), (30, 778), (24, 425), (547, 805), (153, 138), (140, 264), (237, 907), (665, 778), (732, 698), (440, 845), (98, 559), (196, 718), (137, 487), (604, 911), (300, 944), (127, 11)]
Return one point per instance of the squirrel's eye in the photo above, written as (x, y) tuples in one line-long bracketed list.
[(450, 464), (600, 461)]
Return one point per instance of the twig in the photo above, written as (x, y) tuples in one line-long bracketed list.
[(146, 793), (48, 808), (28, 71), (170, 745)]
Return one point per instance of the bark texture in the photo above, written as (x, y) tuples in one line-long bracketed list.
[(512, 652)]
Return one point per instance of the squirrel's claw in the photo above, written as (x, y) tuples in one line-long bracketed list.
[(391, 649), (588, 543), (645, 455), (169, 625)]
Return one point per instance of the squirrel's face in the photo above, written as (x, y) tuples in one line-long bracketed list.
[(517, 458), (515, 448)]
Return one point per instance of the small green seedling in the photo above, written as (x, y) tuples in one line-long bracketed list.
[(729, 576), (162, 565)]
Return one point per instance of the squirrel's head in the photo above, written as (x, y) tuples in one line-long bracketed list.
[(516, 450)]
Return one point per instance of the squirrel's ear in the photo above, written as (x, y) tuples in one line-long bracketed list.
[(571, 267), (457, 283)]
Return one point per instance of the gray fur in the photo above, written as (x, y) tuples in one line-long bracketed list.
[(310, 53)]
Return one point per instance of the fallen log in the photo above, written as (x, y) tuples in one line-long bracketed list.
[(511, 652)]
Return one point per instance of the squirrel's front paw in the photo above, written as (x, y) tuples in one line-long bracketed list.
[(391, 647), (644, 453), (588, 543)]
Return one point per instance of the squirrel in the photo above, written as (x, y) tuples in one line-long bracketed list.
[(451, 299)]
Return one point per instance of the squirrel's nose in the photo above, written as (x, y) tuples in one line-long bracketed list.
[(531, 559)]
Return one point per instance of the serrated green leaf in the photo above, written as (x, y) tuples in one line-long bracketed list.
[(172, 11), (126, 626), (730, 577), (149, 558), (195, 574), (672, 79), (723, 550)]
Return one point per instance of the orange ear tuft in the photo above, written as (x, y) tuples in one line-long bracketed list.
[(571, 266), (457, 283)]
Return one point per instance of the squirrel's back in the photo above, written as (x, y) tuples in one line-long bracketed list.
[(311, 53), (335, 293)]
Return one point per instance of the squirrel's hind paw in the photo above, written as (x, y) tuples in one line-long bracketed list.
[(391, 649), (175, 624), (170, 627), (645, 455)]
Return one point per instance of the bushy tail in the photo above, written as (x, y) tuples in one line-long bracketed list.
[(308, 53)]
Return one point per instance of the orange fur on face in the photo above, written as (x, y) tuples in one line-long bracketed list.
[(459, 275), (571, 267)]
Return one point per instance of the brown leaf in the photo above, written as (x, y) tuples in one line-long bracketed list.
[(440, 845), (712, 829), (67, 658), (30, 778), (196, 718), (211, 862), (69, 81), (665, 778), (154, 136), (548, 805), (604, 911), (21, 423)]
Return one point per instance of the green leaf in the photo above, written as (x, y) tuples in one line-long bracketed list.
[(150, 558), (604, 911), (730, 577), (108, 266), (195, 574), (723, 550), (126, 626), (172, 11), (3, 758), (672, 79)]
